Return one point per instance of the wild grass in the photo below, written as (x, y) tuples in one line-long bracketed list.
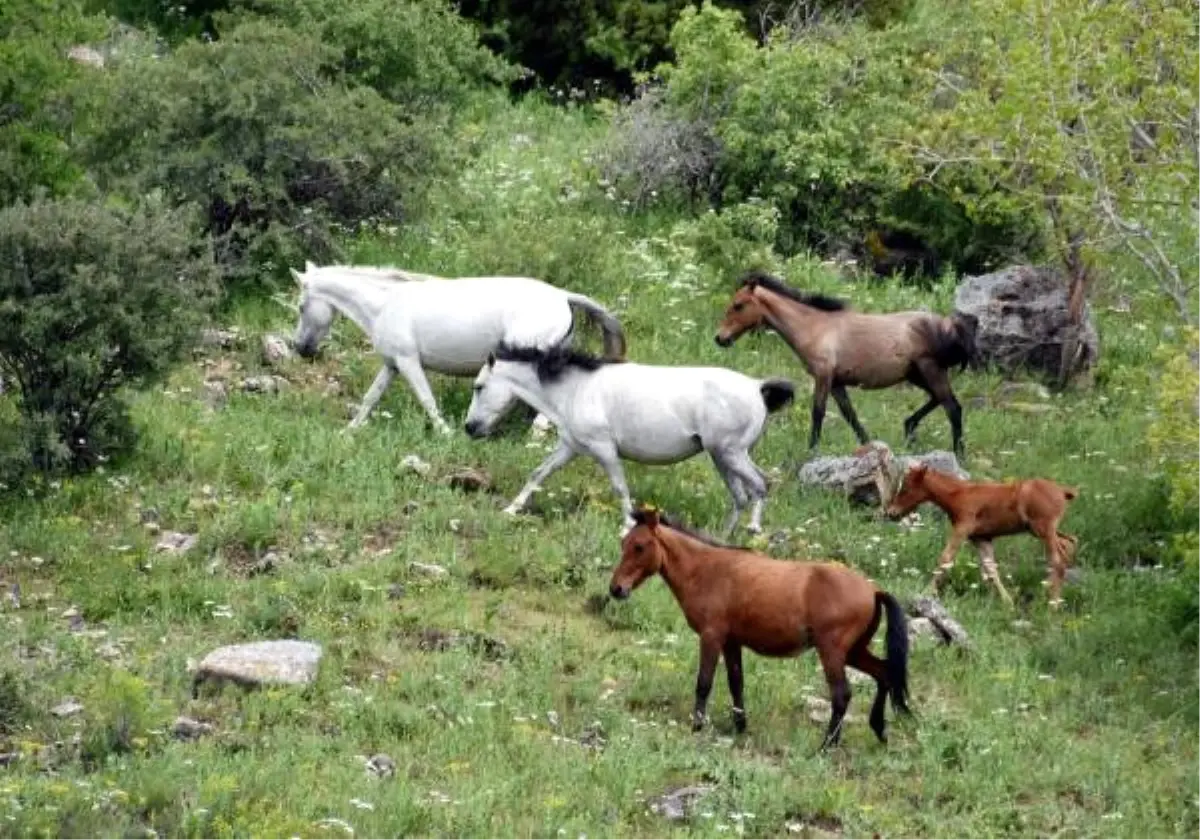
[(1082, 723)]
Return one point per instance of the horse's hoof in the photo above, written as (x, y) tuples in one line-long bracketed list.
[(512, 511)]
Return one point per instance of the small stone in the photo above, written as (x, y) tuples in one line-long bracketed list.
[(469, 480), (593, 736), (395, 592), (677, 804), (1022, 624), (1075, 575), (285, 662), (215, 393), (945, 627), (275, 349), (108, 651), (413, 463), (410, 507), (176, 542), (69, 707), (148, 515), (264, 384), (189, 729), (224, 339), (430, 569), (381, 765), (83, 54), (1030, 408), (552, 719)]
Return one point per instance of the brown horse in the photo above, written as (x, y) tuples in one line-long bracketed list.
[(841, 348), (735, 598), (980, 512)]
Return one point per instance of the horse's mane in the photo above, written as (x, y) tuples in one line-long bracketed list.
[(551, 362), (676, 524), (825, 303), (382, 272)]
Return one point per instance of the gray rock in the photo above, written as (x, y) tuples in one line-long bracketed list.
[(223, 339), (820, 710), (83, 54), (381, 765), (677, 804), (67, 708), (870, 475), (281, 662), (275, 349), (1021, 314), (216, 394), (429, 569), (189, 729), (264, 384), (947, 629), (414, 463), (176, 542), (1075, 576)]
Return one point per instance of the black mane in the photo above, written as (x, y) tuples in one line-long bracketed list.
[(551, 362), (817, 301), (675, 524)]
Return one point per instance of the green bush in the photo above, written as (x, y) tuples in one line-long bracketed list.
[(264, 132), (41, 94), (810, 122), (1175, 441), (93, 298)]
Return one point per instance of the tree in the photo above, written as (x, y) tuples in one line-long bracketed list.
[(1083, 112)]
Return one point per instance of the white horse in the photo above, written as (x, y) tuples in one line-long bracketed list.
[(445, 325), (646, 413)]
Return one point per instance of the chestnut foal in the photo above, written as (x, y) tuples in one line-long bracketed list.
[(981, 511), (735, 598)]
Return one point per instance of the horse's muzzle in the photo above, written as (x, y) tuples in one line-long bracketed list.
[(475, 429), (306, 351), (723, 341), (619, 592)]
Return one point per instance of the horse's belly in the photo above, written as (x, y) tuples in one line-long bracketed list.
[(461, 353), (650, 447)]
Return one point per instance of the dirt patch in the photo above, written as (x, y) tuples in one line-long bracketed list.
[(242, 561), (432, 639), (814, 824)]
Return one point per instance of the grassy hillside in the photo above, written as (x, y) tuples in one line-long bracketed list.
[(1082, 723)]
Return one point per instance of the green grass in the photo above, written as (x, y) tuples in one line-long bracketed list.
[(1082, 723)]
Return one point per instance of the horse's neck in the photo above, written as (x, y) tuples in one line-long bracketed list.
[(552, 399), (942, 487), (794, 321), (687, 565), (359, 298)]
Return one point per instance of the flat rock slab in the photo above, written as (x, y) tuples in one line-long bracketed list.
[(678, 804), (931, 618), (282, 662), (872, 472)]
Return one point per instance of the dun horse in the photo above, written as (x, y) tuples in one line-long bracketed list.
[(981, 512), (446, 325), (734, 598), (843, 348)]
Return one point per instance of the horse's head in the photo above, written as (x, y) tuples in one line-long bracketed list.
[(641, 554), (745, 313), (913, 492), (316, 316), (493, 396)]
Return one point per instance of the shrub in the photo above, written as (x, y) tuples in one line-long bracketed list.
[(809, 122), (262, 130), (1175, 440), (93, 298), (39, 94)]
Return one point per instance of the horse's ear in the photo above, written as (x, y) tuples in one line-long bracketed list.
[(648, 516), (297, 276), (309, 265), (491, 360)]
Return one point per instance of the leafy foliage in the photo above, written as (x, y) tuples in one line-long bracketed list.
[(1174, 438), (262, 131), (93, 298), (1082, 115), (41, 94), (803, 123)]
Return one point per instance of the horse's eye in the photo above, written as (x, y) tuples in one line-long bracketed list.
[(478, 388), (639, 548), (738, 307)]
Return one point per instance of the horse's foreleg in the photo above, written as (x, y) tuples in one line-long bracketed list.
[(733, 670), (843, 403), (556, 460), (410, 368), (736, 490), (987, 565), (947, 559), (382, 380), (937, 381), (910, 425), (710, 652), (833, 660), (821, 385)]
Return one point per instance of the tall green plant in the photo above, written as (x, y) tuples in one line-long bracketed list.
[(93, 299)]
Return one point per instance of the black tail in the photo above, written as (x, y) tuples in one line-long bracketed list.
[(952, 340), (897, 651), (777, 393)]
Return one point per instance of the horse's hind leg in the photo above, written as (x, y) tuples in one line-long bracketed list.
[(862, 659), (987, 565), (752, 481), (937, 381), (1056, 562), (736, 490), (556, 460), (611, 462), (410, 368), (843, 403)]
